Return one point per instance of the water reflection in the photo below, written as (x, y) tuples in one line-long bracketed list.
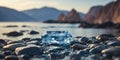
[(43, 27)]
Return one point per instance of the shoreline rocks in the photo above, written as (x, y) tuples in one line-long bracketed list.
[(104, 46)]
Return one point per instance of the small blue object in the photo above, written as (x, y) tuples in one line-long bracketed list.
[(58, 37)]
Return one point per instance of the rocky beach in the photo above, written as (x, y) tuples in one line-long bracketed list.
[(56, 45), (57, 30)]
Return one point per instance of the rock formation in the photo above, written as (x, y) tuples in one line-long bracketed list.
[(92, 14), (110, 12), (72, 16)]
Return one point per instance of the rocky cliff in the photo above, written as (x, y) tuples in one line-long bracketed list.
[(110, 12), (72, 16), (92, 14)]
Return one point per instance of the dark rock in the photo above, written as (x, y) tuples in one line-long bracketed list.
[(13, 34), (29, 50), (11, 57), (7, 53), (75, 57), (55, 50), (95, 57), (25, 26), (26, 39), (14, 41), (33, 32), (13, 46), (97, 42), (33, 42), (78, 47), (2, 41), (93, 45), (78, 37), (114, 43), (104, 37), (76, 42), (2, 56), (11, 26), (97, 49), (85, 39), (112, 51), (57, 55), (83, 53), (24, 57)]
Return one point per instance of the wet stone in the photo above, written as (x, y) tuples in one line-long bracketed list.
[(33, 42), (84, 39), (95, 57), (24, 57), (83, 53), (57, 55), (11, 57), (75, 57), (26, 39), (29, 50), (78, 47), (13, 46), (2, 56), (33, 32), (2, 41), (93, 45), (7, 52), (97, 49), (104, 37), (74, 42), (13, 34), (15, 41), (114, 43), (55, 50), (112, 51), (10, 26)]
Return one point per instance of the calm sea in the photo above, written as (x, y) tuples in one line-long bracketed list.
[(43, 27)]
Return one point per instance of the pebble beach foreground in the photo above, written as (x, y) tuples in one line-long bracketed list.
[(102, 47)]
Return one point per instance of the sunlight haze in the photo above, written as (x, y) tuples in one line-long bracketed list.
[(79, 5)]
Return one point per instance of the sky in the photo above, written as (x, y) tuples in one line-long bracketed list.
[(79, 5)]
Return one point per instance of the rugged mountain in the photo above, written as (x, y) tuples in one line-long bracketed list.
[(7, 14), (72, 16), (110, 12), (46, 13)]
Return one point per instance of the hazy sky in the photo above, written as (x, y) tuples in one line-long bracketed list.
[(79, 5)]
